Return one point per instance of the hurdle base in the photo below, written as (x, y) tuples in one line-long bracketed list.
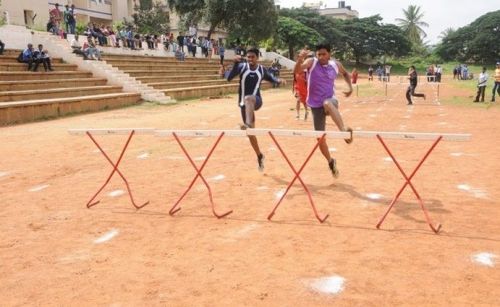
[(142, 206), (93, 204), (224, 215), (172, 212), (434, 229)]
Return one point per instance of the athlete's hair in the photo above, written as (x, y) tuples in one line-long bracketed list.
[(254, 51), (324, 46)]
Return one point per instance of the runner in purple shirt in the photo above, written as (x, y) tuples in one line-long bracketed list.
[(322, 72)]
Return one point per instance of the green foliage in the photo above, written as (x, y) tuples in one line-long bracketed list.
[(477, 42), (152, 19), (412, 25), (80, 28), (328, 28), (295, 35), (238, 16), (355, 38)]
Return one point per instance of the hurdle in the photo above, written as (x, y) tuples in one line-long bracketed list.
[(121, 131), (381, 136), (199, 133)]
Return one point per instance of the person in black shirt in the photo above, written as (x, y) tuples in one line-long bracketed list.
[(249, 100), (412, 73)]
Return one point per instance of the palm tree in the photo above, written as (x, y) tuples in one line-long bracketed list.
[(445, 33), (412, 24)]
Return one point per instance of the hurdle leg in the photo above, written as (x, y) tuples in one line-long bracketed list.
[(297, 176), (174, 209), (91, 202), (408, 182)]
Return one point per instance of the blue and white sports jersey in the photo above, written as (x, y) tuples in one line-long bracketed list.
[(250, 80)]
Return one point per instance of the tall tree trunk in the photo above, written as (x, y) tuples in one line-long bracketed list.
[(290, 52), (210, 31)]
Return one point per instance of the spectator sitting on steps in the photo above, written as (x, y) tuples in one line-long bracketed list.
[(27, 56), (91, 50), (179, 54), (42, 56)]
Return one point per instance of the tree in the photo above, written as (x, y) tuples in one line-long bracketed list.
[(152, 19), (238, 15), (477, 42), (445, 33), (412, 24), (367, 37), (294, 35), (327, 27)]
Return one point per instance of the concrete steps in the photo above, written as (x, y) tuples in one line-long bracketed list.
[(24, 67), (28, 96), (46, 84), (58, 93), (31, 110), (14, 75)]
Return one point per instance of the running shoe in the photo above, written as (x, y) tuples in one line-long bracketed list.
[(260, 161)]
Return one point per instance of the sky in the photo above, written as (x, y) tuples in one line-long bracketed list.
[(439, 14)]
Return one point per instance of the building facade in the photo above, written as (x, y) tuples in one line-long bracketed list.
[(341, 12), (35, 13)]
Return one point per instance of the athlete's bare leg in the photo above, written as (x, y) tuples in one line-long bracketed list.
[(331, 108), (250, 102)]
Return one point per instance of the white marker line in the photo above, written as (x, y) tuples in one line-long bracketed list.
[(107, 236), (328, 285), (199, 158), (374, 196), (486, 259), (38, 188), (218, 178), (279, 194), (456, 154), (387, 159), (116, 193), (262, 188), (373, 115), (442, 123), (3, 174), (332, 149), (143, 156)]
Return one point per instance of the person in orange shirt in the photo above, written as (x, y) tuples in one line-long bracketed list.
[(354, 76), (300, 90)]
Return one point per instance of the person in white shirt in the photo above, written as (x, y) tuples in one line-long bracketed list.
[(439, 71), (481, 85)]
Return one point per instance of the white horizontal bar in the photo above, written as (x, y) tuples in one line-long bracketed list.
[(113, 131), (200, 133), (301, 133), (281, 132), (412, 135)]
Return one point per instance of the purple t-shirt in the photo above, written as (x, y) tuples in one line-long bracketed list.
[(320, 83)]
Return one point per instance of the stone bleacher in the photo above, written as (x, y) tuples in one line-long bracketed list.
[(28, 96), (192, 78)]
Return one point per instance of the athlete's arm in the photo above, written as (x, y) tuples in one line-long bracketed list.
[(301, 63), (346, 76), (269, 77), (236, 69)]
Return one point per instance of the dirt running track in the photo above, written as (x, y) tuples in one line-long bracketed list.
[(56, 252)]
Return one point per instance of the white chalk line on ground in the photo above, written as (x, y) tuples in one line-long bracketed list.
[(279, 193), (3, 174), (39, 188), (262, 188), (116, 193), (218, 178), (478, 193), (143, 156), (374, 196), (327, 285), (107, 236), (484, 258)]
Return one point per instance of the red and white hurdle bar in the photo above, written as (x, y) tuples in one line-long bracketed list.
[(273, 133)]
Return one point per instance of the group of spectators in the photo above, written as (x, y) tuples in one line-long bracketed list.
[(35, 57), (383, 72), (434, 73), (58, 18), (461, 72)]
